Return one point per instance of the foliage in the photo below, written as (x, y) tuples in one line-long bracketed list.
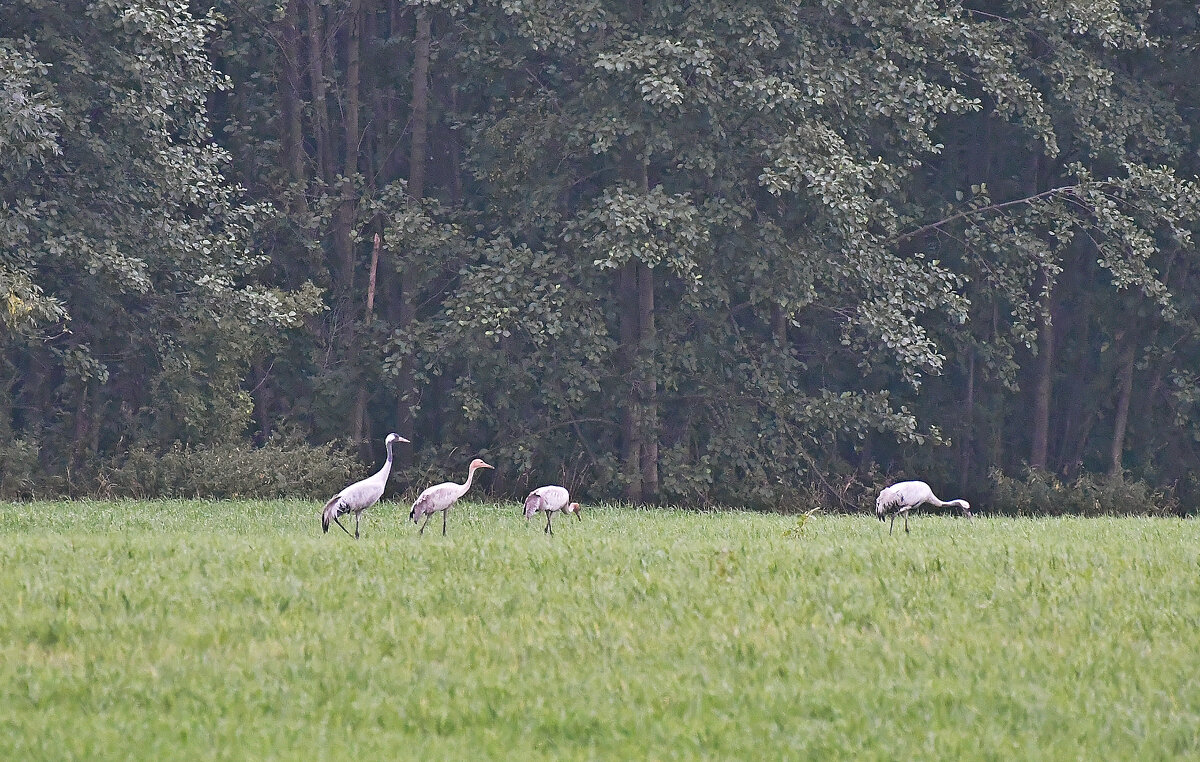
[(1045, 494), (118, 223), (629, 634), (745, 250), (278, 469), (18, 469)]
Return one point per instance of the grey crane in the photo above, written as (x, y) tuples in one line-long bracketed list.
[(550, 499), (361, 495), (902, 497), (440, 497)]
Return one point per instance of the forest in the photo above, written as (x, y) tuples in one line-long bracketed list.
[(760, 254)]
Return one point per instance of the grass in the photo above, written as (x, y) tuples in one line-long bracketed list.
[(221, 630)]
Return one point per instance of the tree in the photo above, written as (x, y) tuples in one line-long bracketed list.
[(122, 230)]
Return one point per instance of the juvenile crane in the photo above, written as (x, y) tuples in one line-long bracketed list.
[(359, 496), (550, 499), (441, 496), (902, 497)]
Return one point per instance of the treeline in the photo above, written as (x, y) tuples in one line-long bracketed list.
[(701, 253)]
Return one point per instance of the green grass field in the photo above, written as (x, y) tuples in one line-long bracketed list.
[(210, 630)]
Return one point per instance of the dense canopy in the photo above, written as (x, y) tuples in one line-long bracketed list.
[(701, 253)]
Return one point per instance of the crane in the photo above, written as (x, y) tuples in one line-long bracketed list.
[(440, 497), (902, 497), (550, 499), (361, 495)]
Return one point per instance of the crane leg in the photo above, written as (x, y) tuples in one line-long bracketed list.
[(906, 522), (549, 529), (427, 517), (444, 521), (892, 525), (339, 523), (356, 519)]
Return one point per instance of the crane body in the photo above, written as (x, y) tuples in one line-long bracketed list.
[(902, 497), (361, 495), (550, 499), (440, 497)]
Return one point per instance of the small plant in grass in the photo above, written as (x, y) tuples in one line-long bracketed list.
[(794, 532)]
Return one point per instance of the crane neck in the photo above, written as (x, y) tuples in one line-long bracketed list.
[(387, 464), (470, 476)]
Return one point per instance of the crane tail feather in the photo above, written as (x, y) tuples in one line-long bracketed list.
[(533, 504), (329, 513)]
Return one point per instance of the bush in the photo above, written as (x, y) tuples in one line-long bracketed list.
[(18, 469), (278, 469), (1043, 494)]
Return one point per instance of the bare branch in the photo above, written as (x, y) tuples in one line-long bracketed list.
[(1068, 190)]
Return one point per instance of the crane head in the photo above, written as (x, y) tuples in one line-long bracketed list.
[(575, 508), (394, 437), (479, 463)]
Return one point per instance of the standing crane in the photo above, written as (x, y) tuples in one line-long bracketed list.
[(902, 497), (361, 495), (440, 497), (550, 499)]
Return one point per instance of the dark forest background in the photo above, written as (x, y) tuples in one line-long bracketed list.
[(759, 254)]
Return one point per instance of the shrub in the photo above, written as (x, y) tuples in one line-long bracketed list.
[(1042, 493), (18, 468), (278, 469)]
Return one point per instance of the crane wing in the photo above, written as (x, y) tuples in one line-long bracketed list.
[(364, 494), (427, 502), (533, 504)]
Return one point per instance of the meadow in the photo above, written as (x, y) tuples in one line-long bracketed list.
[(235, 630)]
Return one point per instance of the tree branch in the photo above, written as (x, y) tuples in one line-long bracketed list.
[(1063, 190)]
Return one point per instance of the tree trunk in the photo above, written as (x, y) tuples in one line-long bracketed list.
[(456, 163), (343, 228), (1043, 384), (420, 105), (291, 148), (1128, 359), (362, 428), (260, 396), (79, 437), (779, 323), (316, 74), (966, 441), (7, 424), (405, 296), (647, 365), (1042, 390), (649, 385), (631, 429)]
